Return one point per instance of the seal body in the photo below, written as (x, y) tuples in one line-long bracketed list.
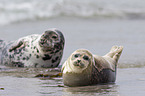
[(83, 68), (35, 50)]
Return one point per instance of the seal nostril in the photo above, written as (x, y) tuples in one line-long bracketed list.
[(79, 61)]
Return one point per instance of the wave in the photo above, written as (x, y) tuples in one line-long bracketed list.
[(21, 10)]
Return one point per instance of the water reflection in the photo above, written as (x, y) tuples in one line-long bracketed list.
[(55, 87), (108, 89)]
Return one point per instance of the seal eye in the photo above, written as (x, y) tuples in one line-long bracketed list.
[(86, 57), (76, 55), (54, 37)]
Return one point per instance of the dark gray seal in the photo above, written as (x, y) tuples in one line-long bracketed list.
[(83, 68), (35, 50)]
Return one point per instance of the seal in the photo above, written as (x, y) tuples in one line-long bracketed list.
[(83, 68), (35, 50)]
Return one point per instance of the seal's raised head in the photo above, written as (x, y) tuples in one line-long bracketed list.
[(79, 60), (51, 40)]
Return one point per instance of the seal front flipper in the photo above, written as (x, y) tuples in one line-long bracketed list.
[(19, 44)]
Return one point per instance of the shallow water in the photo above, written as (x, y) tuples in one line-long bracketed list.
[(96, 35), (129, 81)]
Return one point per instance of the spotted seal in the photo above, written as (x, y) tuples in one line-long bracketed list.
[(83, 68), (35, 50)]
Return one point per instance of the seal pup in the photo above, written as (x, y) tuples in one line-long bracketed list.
[(83, 68), (35, 50)]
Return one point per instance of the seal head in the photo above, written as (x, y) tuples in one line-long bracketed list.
[(51, 41), (79, 61)]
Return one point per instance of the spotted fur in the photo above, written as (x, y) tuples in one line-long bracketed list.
[(35, 50)]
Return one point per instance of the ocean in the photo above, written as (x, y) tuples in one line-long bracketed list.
[(95, 25), (32, 10)]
